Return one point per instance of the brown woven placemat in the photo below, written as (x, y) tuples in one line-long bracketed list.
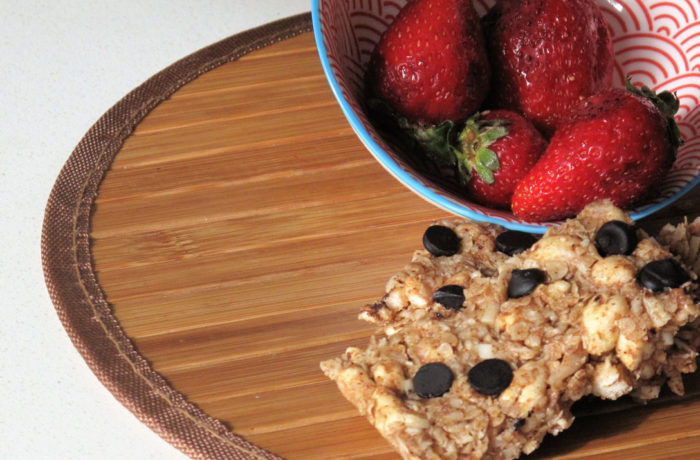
[(69, 270)]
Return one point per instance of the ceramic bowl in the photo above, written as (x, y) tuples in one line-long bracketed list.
[(656, 43)]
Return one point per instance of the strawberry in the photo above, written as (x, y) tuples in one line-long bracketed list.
[(431, 65), (618, 143), (498, 161), (490, 154), (547, 55)]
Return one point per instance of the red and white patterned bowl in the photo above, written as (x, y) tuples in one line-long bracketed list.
[(656, 43)]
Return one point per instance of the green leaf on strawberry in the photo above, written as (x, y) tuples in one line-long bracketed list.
[(468, 152), (485, 173), (435, 140), (475, 139), (488, 158)]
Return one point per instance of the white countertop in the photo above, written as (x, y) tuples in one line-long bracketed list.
[(64, 64)]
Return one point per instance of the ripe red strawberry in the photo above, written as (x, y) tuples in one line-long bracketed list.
[(491, 153), (498, 165), (617, 145), (431, 64), (547, 55)]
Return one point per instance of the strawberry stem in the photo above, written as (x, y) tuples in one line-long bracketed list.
[(475, 139), (465, 149), (667, 103), (469, 151), (435, 140)]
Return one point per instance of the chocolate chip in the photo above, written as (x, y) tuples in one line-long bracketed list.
[(450, 296), (490, 377), (518, 424), (660, 274), (512, 242), (616, 237), (441, 241), (523, 282), (432, 380)]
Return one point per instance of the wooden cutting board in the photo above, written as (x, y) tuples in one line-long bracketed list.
[(237, 234)]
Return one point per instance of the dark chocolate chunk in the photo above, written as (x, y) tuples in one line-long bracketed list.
[(512, 242), (490, 377), (450, 296), (616, 237), (661, 274), (523, 282), (441, 241), (518, 424), (432, 380)]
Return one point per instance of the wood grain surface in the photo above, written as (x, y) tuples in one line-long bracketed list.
[(238, 233)]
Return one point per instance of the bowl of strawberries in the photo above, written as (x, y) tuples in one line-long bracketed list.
[(520, 112)]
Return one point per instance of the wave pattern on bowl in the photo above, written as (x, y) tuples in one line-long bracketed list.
[(656, 43)]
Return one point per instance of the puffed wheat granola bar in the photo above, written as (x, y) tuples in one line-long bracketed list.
[(594, 307)]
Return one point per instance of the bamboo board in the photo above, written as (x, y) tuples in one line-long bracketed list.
[(237, 234)]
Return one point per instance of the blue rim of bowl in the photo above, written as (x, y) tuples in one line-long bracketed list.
[(420, 189)]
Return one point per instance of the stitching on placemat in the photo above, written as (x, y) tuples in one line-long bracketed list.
[(117, 342), (123, 132)]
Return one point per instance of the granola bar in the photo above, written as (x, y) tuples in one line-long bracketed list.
[(594, 307)]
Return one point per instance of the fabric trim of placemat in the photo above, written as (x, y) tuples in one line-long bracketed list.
[(69, 271)]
